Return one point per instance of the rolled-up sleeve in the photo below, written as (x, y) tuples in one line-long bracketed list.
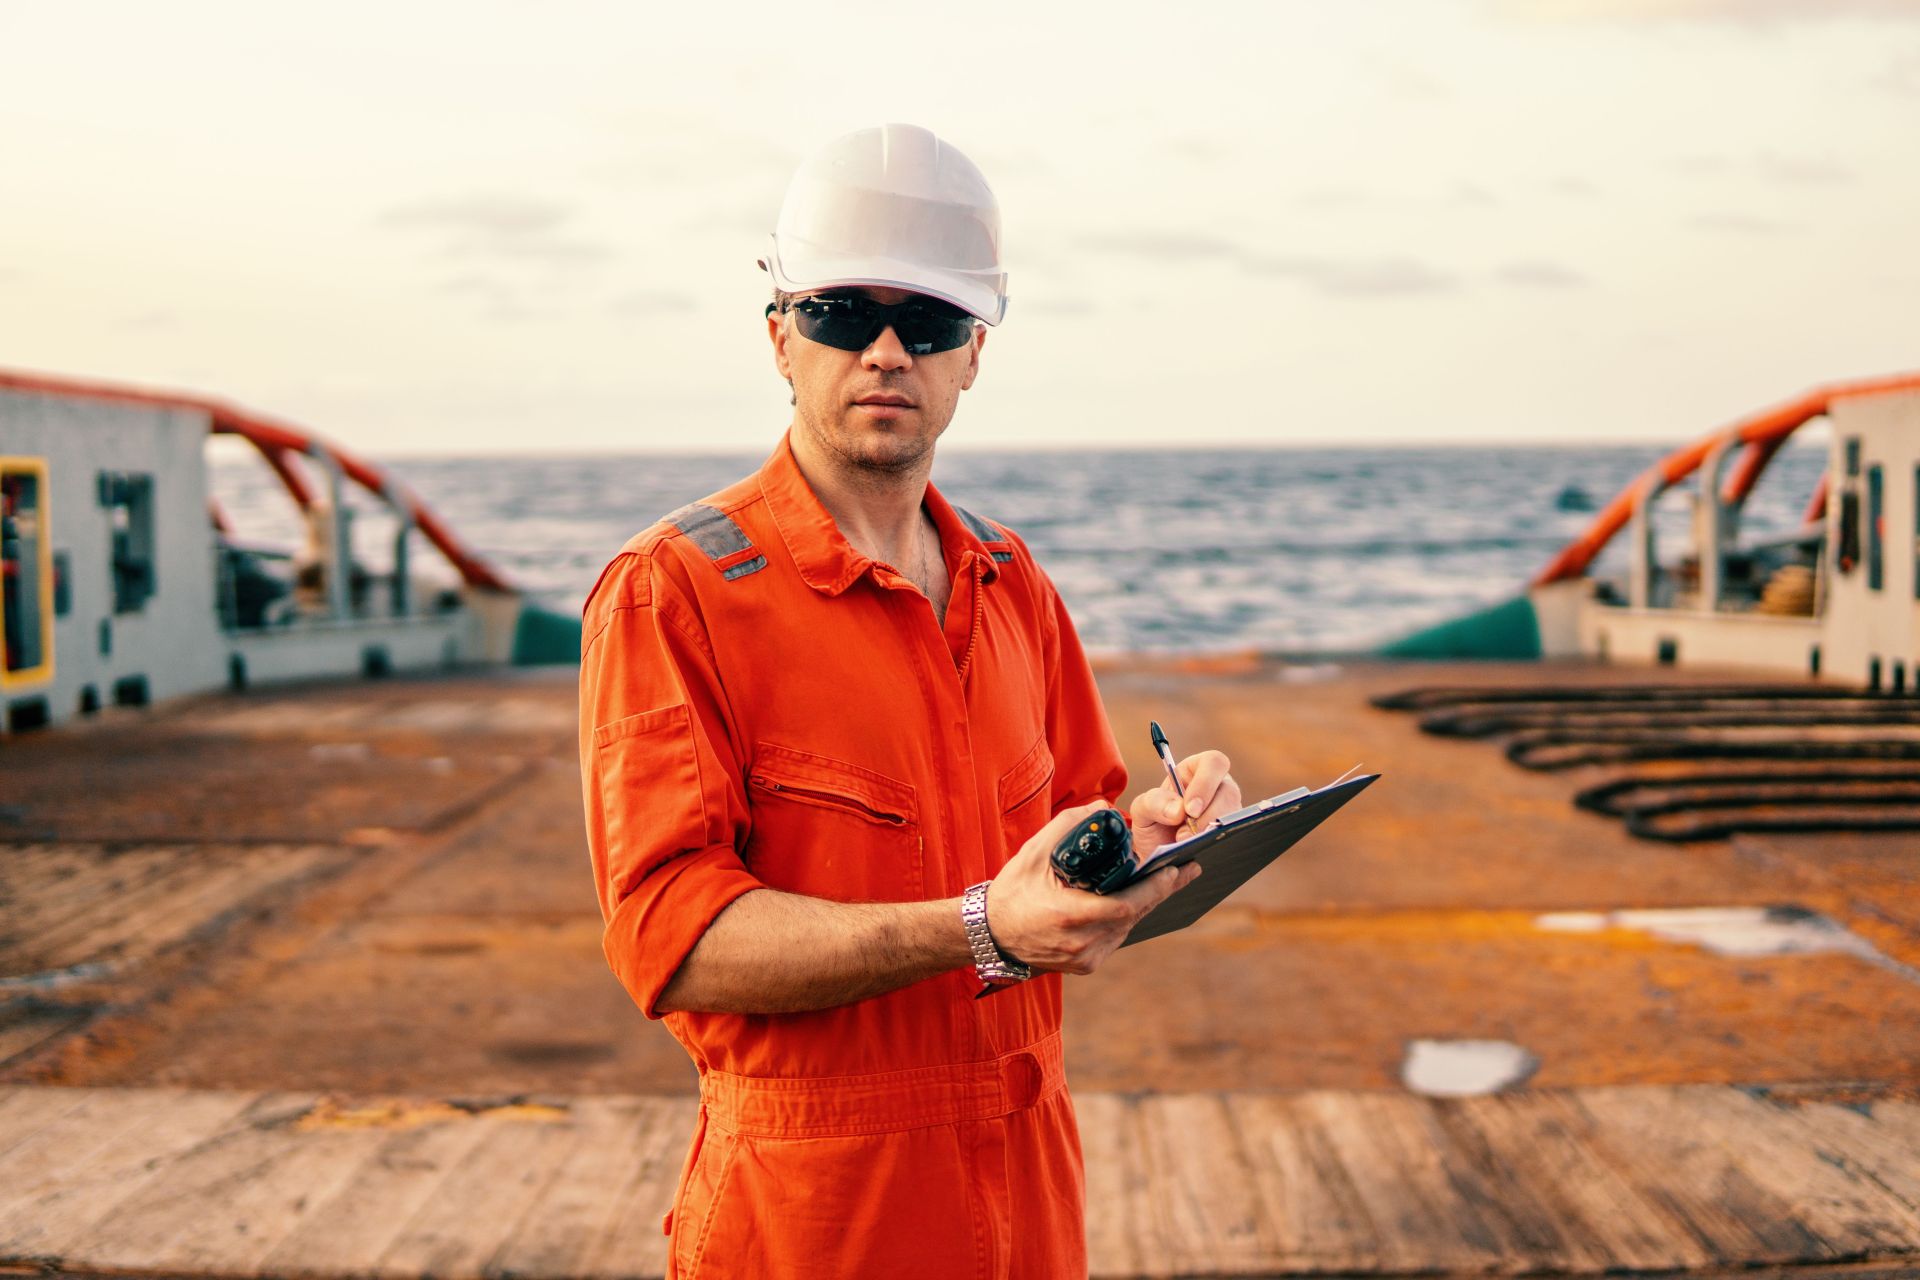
[(665, 809)]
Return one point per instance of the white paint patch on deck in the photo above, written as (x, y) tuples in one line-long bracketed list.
[(1465, 1068), (1741, 932)]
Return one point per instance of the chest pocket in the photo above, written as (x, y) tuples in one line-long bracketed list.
[(1026, 798), (830, 829)]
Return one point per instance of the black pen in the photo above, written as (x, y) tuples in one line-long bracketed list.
[(1164, 750)]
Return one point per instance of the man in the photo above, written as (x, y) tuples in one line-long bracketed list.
[(831, 728)]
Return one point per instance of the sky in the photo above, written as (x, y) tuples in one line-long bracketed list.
[(487, 228)]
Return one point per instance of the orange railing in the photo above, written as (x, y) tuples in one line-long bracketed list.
[(279, 443), (1762, 434)]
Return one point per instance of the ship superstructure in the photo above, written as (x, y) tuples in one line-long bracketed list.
[(1839, 598), (121, 581)]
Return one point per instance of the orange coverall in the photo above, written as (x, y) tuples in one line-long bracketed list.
[(763, 706)]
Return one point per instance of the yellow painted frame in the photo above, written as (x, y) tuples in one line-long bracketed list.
[(44, 672)]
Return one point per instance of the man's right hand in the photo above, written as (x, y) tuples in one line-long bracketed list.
[(1042, 922)]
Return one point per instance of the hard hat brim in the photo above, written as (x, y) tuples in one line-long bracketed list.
[(980, 295)]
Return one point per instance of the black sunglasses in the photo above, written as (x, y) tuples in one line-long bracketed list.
[(854, 322)]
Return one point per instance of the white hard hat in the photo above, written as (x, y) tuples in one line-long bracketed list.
[(892, 206)]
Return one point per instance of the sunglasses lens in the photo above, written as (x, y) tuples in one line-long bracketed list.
[(927, 327), (835, 321), (849, 322)]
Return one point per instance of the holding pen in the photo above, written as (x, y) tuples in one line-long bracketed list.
[(1164, 750)]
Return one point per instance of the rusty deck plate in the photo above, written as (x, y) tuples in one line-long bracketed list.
[(445, 945)]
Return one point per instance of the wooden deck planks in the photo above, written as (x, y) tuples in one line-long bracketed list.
[(1419, 1221), (27, 1029), (1871, 1143), (1543, 1147), (1109, 1142), (1854, 1215), (1574, 1182), (343, 1232), (1899, 1118), (188, 900), (601, 1213), (100, 907), (225, 1200), (473, 1211), (140, 1135), (26, 1111), (69, 891), (1528, 1223), (633, 1243), (1196, 1208), (1317, 1214), (1665, 1145)]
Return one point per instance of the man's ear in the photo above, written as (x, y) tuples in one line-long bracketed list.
[(777, 334), (973, 357)]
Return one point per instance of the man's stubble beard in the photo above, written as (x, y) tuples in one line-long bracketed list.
[(883, 457)]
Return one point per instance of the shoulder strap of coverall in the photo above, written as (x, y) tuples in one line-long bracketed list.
[(996, 541), (723, 541)]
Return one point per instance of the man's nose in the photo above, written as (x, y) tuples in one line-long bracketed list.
[(886, 352)]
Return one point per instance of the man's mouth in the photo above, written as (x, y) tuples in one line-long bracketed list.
[(902, 401)]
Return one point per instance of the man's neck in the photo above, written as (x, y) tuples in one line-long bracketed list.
[(878, 510)]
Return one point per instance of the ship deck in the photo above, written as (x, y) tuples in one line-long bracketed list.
[(309, 982)]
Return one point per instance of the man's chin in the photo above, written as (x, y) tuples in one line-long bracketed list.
[(883, 447)]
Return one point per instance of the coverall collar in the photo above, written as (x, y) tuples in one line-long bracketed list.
[(827, 561)]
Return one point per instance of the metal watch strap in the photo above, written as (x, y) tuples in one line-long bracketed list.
[(992, 964)]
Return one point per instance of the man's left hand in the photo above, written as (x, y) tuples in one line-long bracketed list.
[(1159, 815)]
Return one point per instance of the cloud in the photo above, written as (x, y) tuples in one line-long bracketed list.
[(148, 321), (1745, 224), (1360, 277), (1568, 185), (731, 220), (1163, 246), (1743, 12), (1701, 164), (1342, 196), (661, 148), (652, 302), (1538, 274), (495, 293), (1335, 276), (1767, 166), (491, 215), (1802, 171), (1195, 147), (499, 226), (1408, 82), (1049, 307), (557, 251), (1901, 76)]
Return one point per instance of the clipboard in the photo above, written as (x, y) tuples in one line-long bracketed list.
[(1235, 848)]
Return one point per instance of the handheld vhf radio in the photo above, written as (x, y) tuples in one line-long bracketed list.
[(1097, 855)]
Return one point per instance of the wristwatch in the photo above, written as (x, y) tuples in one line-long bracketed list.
[(995, 967)]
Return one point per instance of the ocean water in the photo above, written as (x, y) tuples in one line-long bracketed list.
[(1293, 551)]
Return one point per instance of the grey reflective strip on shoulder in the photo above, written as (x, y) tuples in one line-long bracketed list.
[(984, 531), (715, 533)]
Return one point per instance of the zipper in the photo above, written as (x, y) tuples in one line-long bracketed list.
[(979, 614), (832, 799)]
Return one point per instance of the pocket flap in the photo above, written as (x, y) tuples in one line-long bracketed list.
[(806, 771), (1022, 782)]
